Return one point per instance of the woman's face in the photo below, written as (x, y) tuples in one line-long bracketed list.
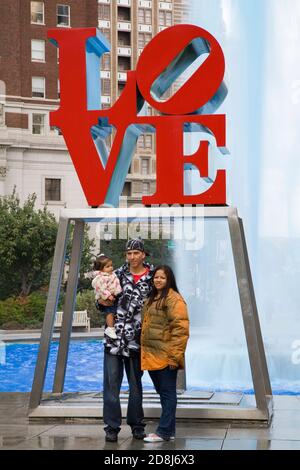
[(160, 279)]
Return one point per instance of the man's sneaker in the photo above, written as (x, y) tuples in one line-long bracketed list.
[(137, 434), (153, 438), (111, 332), (111, 437)]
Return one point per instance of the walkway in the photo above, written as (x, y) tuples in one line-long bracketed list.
[(16, 433)]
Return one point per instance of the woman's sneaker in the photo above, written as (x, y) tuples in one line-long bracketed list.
[(111, 332), (153, 438)]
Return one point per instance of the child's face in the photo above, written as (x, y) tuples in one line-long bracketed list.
[(160, 279), (108, 268)]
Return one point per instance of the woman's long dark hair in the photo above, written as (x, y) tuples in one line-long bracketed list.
[(171, 284)]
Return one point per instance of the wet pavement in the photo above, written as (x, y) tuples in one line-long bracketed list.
[(16, 433)]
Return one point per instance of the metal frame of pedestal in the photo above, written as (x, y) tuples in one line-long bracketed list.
[(258, 364)]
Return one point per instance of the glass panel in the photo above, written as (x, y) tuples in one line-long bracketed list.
[(63, 15), (200, 253), (38, 87), (145, 166), (37, 123), (146, 188), (37, 50), (216, 356), (37, 12), (52, 189)]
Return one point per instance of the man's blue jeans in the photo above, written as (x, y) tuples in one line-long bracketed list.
[(113, 376), (164, 381)]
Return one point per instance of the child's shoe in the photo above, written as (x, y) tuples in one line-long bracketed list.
[(110, 332)]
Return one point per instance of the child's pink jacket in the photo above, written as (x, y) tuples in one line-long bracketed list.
[(105, 285)]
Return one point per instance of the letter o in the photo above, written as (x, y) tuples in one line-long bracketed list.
[(159, 54)]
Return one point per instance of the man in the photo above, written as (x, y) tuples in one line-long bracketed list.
[(135, 278)]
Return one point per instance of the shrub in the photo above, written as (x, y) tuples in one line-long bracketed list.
[(85, 300), (12, 325), (23, 312)]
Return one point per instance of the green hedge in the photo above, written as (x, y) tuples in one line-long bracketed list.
[(23, 312), (28, 312)]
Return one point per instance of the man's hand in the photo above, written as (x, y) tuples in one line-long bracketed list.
[(111, 298), (172, 367)]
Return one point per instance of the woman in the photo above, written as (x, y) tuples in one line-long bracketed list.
[(165, 332)]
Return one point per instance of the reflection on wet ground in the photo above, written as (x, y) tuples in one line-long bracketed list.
[(17, 433)]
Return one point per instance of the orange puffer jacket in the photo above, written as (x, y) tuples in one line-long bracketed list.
[(165, 332)]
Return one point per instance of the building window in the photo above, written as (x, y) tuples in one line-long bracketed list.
[(38, 87), (144, 38), (145, 141), (105, 87), (56, 130), (52, 189), (38, 124), (103, 12), (37, 12), (106, 33), (165, 18), (145, 16), (63, 15), (148, 141), (146, 187), (37, 50), (58, 88), (145, 166), (105, 62), (127, 189)]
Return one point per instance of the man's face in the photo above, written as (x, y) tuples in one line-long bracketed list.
[(135, 258)]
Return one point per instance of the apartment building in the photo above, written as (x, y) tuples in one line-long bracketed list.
[(33, 156)]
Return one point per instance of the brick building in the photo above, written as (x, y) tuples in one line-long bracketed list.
[(33, 156)]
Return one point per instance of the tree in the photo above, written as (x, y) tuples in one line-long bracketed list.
[(27, 242), (27, 239)]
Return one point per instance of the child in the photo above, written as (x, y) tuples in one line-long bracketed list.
[(107, 286)]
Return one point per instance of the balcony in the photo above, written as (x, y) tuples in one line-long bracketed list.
[(124, 39), (145, 3), (124, 3), (165, 6), (145, 28), (124, 51), (105, 99), (122, 76), (103, 24), (124, 26), (124, 63)]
